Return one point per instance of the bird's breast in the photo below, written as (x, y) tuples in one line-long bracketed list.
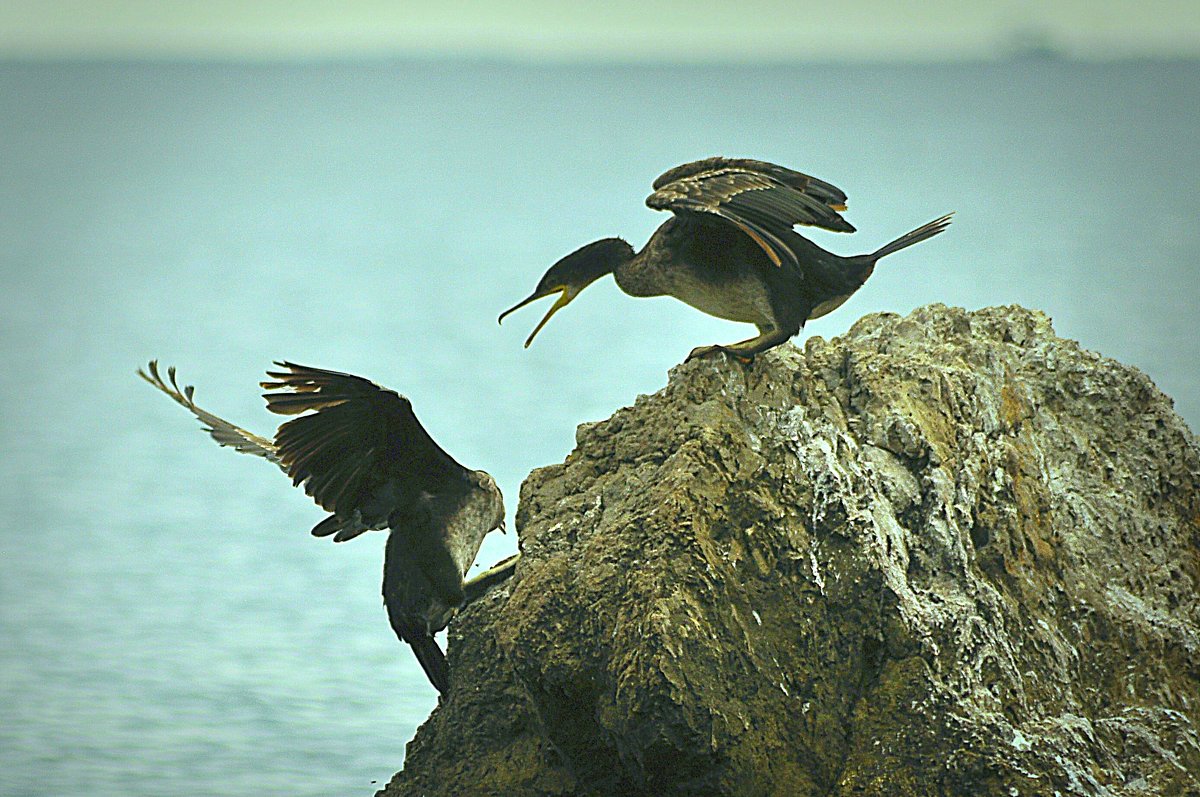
[(467, 526), (735, 296)]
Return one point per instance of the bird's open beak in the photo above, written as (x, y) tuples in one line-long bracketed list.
[(566, 294)]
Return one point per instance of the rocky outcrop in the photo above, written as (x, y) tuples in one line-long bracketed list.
[(944, 554)]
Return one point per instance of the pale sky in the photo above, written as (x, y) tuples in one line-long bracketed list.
[(661, 30)]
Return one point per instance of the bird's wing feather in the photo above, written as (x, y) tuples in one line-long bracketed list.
[(356, 437), (826, 192), (221, 430), (761, 199)]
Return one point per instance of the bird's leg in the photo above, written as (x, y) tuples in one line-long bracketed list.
[(480, 584), (745, 351), (702, 351)]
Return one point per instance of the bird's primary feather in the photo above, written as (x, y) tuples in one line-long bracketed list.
[(221, 430)]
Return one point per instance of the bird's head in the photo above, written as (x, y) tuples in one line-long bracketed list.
[(494, 498), (573, 273)]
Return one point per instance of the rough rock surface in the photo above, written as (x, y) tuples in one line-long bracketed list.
[(944, 554)]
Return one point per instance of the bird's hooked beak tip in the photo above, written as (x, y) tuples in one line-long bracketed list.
[(566, 294), (533, 297)]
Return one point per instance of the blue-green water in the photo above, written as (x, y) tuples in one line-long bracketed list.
[(168, 627)]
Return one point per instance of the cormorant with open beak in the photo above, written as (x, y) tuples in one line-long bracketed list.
[(362, 455), (730, 251)]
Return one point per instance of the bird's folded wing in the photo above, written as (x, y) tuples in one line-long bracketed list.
[(221, 430), (761, 199), (358, 439), (831, 194)]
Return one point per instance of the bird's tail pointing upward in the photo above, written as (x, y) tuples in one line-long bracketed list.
[(922, 233)]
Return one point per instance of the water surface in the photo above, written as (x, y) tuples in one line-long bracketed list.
[(169, 626)]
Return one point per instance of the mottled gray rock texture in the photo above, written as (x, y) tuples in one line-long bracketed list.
[(944, 554)]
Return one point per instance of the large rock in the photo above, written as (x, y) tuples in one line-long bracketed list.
[(949, 553)]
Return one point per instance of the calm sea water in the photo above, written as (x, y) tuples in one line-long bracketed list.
[(168, 626)]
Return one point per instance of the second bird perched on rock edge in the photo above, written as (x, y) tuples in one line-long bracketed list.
[(361, 453)]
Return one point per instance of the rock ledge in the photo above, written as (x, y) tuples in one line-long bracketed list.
[(949, 553)]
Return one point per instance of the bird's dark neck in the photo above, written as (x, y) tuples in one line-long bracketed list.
[(588, 264), (641, 273)]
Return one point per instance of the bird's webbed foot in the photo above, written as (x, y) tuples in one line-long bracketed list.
[(745, 351), (703, 351)]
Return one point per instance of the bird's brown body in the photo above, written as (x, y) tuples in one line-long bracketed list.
[(730, 251)]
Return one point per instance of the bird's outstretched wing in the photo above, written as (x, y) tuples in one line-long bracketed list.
[(221, 430), (359, 443), (762, 199)]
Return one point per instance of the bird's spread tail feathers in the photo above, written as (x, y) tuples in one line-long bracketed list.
[(432, 660), (924, 232)]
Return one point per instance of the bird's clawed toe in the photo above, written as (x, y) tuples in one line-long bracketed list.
[(703, 351)]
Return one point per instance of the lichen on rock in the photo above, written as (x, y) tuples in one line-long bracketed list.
[(949, 553)]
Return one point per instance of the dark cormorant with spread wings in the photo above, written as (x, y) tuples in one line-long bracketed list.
[(360, 452), (730, 251)]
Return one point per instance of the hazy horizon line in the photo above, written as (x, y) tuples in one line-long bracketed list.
[(585, 60)]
